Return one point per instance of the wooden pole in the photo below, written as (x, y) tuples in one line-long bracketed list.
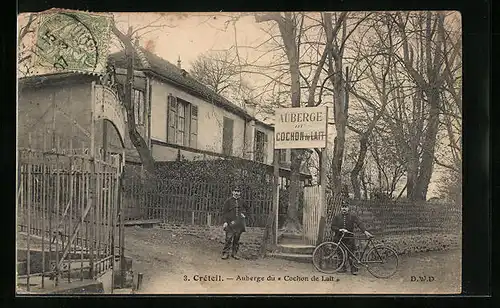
[(323, 171), (276, 175), (271, 229), (54, 107), (92, 180), (105, 139)]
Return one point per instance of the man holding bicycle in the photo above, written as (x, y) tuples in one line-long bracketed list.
[(346, 221)]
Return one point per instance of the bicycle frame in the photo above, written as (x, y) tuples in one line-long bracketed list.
[(370, 255), (350, 253)]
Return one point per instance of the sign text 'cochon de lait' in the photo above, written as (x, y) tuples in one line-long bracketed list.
[(301, 128)]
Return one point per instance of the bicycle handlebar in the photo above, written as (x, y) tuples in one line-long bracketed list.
[(346, 231)]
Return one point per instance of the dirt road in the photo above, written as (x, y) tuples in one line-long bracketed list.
[(175, 264)]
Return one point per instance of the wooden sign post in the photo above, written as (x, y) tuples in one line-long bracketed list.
[(303, 128)]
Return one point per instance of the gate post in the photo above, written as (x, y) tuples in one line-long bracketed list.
[(92, 187), (121, 232)]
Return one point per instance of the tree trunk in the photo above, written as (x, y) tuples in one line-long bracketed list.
[(292, 223), (340, 114), (411, 177), (135, 137), (364, 184), (429, 146), (355, 180)]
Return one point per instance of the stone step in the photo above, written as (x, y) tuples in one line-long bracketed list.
[(296, 248), (296, 241), (302, 258), (291, 236)]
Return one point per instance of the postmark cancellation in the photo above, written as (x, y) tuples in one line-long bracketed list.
[(68, 41)]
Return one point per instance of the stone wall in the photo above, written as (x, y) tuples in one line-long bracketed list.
[(413, 243), (250, 240)]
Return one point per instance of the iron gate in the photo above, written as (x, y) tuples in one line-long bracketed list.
[(68, 216)]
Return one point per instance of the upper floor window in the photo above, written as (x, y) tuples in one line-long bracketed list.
[(182, 122), (139, 106), (227, 136), (260, 146)]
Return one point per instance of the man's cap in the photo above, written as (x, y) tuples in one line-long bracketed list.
[(236, 188)]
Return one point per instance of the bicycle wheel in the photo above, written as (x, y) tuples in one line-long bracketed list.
[(328, 257), (381, 261)]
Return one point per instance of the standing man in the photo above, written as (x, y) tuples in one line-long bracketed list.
[(347, 221), (233, 213)]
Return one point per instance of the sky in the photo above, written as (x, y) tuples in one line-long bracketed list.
[(189, 35)]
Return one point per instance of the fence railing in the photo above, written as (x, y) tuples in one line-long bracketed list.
[(190, 202), (381, 217), (67, 216), (311, 214)]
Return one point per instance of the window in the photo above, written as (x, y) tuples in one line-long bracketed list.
[(138, 101), (227, 137), (194, 126), (282, 155), (172, 119), (182, 122), (260, 146)]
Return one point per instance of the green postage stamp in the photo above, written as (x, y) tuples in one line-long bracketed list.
[(69, 41)]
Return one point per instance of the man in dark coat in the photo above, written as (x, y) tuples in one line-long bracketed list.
[(347, 221), (234, 214)]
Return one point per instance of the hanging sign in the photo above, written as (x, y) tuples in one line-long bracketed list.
[(300, 128)]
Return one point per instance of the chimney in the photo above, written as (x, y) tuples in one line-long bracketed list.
[(179, 62), (250, 108)]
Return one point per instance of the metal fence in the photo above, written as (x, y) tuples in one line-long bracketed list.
[(67, 216), (190, 202), (400, 216), (381, 216)]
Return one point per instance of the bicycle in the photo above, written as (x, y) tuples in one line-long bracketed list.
[(375, 258)]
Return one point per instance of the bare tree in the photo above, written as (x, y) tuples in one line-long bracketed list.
[(336, 46), (388, 166), (422, 59), (126, 95), (215, 69), (376, 63), (292, 28)]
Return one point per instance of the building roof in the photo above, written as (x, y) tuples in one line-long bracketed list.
[(151, 63), (55, 79)]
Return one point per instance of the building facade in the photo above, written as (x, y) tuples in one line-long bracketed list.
[(189, 121), (178, 117)]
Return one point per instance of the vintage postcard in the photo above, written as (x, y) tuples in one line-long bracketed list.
[(239, 153)]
